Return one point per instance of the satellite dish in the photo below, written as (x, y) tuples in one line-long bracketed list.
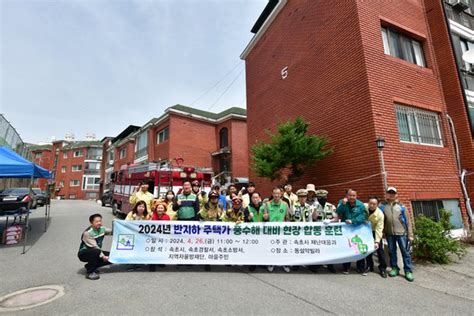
[(468, 56)]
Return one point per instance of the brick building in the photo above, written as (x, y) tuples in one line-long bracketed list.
[(76, 169), (200, 138), (42, 155), (114, 155), (357, 71)]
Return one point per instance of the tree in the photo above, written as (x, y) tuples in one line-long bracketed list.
[(289, 152)]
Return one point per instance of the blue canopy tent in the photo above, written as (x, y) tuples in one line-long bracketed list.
[(13, 165)]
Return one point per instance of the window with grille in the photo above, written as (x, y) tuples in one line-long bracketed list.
[(427, 208), (431, 209), (418, 126)]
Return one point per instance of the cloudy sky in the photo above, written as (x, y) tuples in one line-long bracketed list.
[(96, 66)]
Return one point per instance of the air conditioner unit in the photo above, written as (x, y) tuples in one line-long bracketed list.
[(460, 5)]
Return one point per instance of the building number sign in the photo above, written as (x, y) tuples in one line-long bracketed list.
[(284, 73)]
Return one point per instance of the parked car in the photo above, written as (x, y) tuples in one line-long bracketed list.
[(40, 196), (12, 199), (107, 198)]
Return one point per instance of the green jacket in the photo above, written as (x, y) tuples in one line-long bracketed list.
[(276, 212), (189, 207), (355, 213), (257, 212)]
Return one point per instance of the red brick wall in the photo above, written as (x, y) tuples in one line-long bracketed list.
[(160, 151), (129, 155), (342, 83), (327, 84), (452, 88), (419, 171), (45, 161), (239, 148), (69, 175), (192, 140)]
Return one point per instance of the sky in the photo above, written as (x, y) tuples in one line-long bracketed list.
[(97, 66)]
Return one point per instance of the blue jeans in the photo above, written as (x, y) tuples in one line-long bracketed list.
[(401, 240)]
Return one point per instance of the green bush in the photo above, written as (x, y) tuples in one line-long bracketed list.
[(432, 241)]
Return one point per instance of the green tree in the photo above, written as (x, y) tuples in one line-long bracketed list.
[(289, 152)]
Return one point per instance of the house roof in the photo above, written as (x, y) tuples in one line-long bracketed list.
[(264, 15), (33, 147), (129, 130), (210, 115), (83, 144)]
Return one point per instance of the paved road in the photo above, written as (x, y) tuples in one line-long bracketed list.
[(51, 259)]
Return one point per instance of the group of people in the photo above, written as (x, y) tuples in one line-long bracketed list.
[(388, 218)]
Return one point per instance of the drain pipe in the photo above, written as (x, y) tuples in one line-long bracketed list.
[(461, 172)]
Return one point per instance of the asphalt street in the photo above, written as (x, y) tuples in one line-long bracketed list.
[(51, 259)]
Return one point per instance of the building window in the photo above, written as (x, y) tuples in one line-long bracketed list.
[(224, 137), (61, 184), (430, 208), (38, 155), (78, 153), (471, 115), (94, 154), (92, 168), (403, 47), (418, 126), (63, 169), (141, 147), (162, 135), (122, 153), (72, 196), (91, 183), (76, 167), (92, 165), (91, 195), (65, 154), (74, 183)]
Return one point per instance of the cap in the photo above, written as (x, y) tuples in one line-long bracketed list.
[(311, 188), (302, 192), (392, 189), (213, 194), (235, 198), (321, 193), (195, 182)]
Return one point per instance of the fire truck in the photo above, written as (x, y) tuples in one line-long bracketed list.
[(160, 179)]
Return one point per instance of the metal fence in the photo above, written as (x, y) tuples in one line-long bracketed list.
[(10, 137)]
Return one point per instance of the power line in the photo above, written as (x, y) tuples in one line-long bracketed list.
[(227, 89), (217, 83)]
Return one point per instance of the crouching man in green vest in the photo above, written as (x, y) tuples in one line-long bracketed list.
[(90, 250)]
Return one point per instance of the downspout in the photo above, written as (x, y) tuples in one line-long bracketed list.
[(461, 172)]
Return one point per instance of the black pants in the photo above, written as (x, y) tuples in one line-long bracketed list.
[(360, 265), (93, 259), (380, 255)]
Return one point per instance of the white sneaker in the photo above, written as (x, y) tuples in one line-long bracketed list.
[(286, 269), (270, 268)]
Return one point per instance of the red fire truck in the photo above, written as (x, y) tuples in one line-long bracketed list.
[(160, 178)]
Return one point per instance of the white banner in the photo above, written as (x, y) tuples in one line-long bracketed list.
[(179, 242)]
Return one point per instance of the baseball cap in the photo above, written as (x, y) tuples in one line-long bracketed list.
[(392, 189)]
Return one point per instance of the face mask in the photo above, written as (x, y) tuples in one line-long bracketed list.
[(169, 197)]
